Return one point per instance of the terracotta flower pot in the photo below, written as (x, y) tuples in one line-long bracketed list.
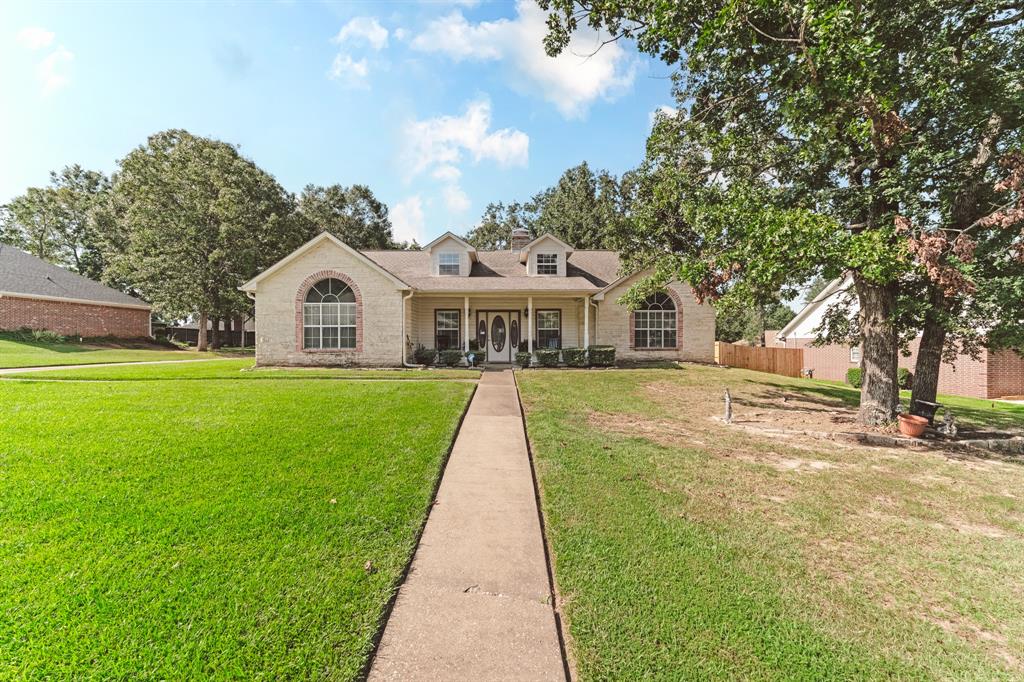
[(912, 425)]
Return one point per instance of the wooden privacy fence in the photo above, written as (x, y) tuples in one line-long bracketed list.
[(785, 361)]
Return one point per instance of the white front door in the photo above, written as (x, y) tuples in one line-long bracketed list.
[(497, 337)]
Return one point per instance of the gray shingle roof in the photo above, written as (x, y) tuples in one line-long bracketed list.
[(23, 273), (501, 271)]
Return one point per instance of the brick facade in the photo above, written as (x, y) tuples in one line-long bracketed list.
[(73, 319), (993, 375)]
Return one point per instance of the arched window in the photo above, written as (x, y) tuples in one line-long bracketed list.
[(654, 322), (329, 315)]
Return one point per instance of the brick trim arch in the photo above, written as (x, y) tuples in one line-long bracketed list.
[(300, 298), (678, 303)]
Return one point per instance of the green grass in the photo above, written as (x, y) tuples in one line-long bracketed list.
[(684, 548), (16, 352), (213, 528), (239, 370), (977, 411)]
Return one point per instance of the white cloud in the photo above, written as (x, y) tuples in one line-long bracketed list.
[(407, 219), (400, 33), (349, 72), (35, 38), (455, 199), (52, 71), (441, 141), (572, 81), (364, 29), (446, 173), (664, 110)]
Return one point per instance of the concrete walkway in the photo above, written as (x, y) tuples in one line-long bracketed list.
[(477, 603), (51, 368)]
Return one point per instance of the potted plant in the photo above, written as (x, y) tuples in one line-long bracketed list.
[(912, 425)]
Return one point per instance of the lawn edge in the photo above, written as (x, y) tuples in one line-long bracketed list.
[(561, 623), (385, 615)]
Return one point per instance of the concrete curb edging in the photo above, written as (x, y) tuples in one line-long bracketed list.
[(556, 597)]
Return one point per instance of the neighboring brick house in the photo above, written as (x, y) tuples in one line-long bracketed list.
[(994, 374), (330, 304), (35, 294)]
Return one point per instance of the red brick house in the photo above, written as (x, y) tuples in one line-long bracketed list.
[(39, 295), (995, 374)]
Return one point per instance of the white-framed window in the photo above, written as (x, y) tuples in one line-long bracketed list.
[(329, 316), (446, 329), (854, 354), (654, 323), (448, 263), (547, 263), (549, 328)]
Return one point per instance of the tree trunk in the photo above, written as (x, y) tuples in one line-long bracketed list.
[(879, 393), (215, 333), (201, 343), (929, 353)]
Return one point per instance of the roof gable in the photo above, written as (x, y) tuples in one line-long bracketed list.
[(454, 237), (524, 253), (839, 283), (250, 286)]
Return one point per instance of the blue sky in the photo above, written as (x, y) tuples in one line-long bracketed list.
[(439, 107)]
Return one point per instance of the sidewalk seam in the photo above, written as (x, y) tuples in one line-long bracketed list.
[(556, 600), (386, 613)]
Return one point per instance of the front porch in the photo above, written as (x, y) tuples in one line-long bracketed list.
[(496, 327)]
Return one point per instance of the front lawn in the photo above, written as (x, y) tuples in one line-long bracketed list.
[(208, 528), (686, 548), (240, 369), (17, 351)]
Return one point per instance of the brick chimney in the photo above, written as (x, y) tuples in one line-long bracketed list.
[(520, 238)]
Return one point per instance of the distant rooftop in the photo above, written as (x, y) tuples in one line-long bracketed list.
[(25, 274)]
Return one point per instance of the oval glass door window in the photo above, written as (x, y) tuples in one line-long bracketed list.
[(498, 333), (513, 333), (481, 334)]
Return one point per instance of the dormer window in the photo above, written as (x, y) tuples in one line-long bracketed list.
[(448, 263), (547, 263)]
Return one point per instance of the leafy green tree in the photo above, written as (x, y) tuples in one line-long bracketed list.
[(496, 225), (56, 222), (189, 220), (861, 112), (352, 214), (738, 322), (582, 208)]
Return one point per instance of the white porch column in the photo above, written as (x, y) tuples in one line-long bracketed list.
[(586, 321), (529, 331), (466, 325)]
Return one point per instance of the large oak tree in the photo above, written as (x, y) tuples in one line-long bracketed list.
[(869, 114)]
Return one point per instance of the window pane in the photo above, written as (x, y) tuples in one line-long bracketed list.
[(670, 338), (347, 314), (548, 319), (547, 263), (311, 337), (669, 321), (329, 314), (330, 337), (448, 263), (347, 337), (654, 338), (311, 314)]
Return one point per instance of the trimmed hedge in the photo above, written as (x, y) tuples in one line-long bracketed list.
[(575, 357), (523, 359), (904, 378), (424, 356), (602, 356), (547, 357), (449, 358)]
